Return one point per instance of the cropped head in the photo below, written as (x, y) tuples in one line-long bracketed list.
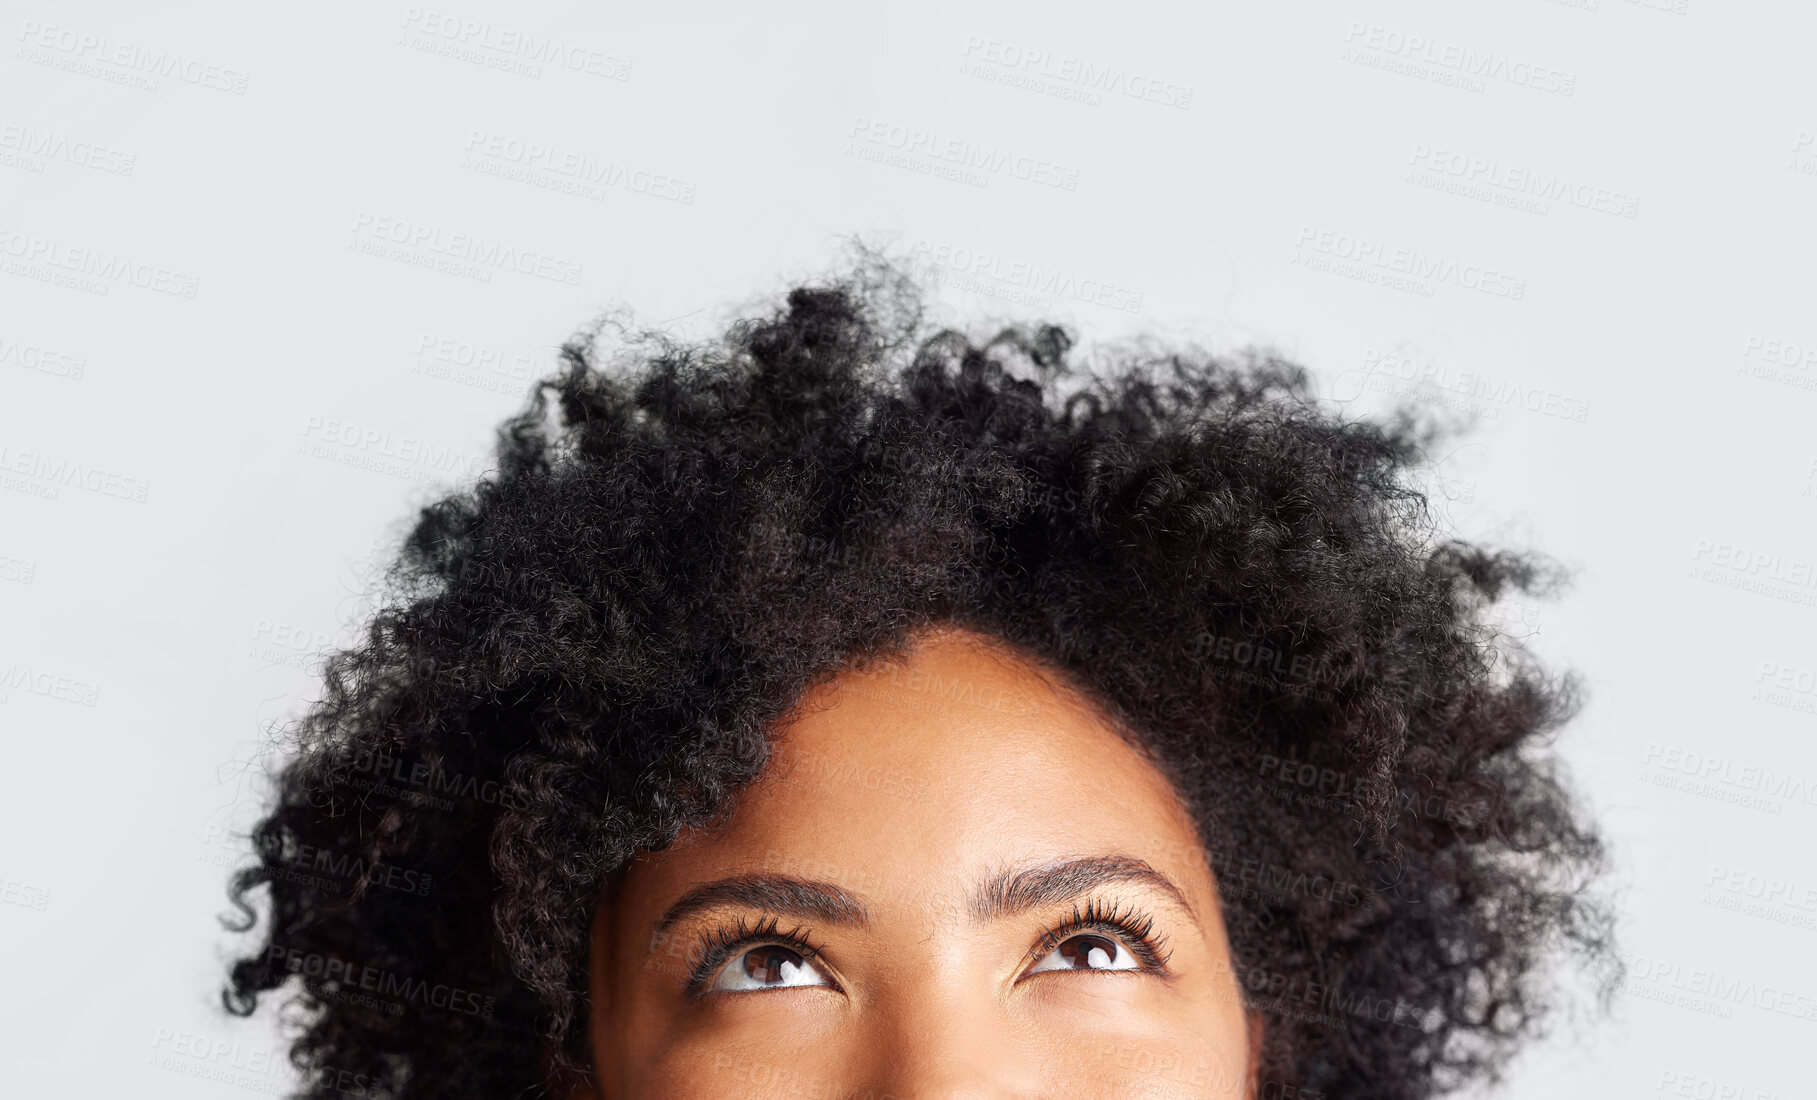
[(844, 709)]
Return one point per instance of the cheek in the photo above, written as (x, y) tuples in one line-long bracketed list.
[(1150, 1071), (1111, 1038), (785, 1043), (1098, 1038)]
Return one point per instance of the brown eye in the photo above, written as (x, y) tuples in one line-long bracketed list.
[(1086, 951), (767, 966), (764, 965)]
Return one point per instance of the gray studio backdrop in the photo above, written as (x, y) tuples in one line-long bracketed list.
[(268, 277)]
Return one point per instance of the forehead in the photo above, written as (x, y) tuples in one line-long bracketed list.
[(959, 757)]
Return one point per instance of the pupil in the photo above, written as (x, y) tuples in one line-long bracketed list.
[(764, 964), (1089, 952)]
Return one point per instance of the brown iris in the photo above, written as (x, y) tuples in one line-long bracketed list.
[(764, 964), (1089, 952)]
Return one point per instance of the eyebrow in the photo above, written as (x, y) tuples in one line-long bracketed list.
[(785, 895), (1011, 893), (1006, 894)]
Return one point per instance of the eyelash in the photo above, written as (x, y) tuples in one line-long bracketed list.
[(719, 944), (1135, 929)]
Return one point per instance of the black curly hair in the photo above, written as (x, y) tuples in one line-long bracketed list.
[(581, 654)]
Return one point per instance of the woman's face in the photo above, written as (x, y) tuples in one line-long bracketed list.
[(954, 879)]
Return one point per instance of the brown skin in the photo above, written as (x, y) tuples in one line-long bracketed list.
[(923, 825)]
